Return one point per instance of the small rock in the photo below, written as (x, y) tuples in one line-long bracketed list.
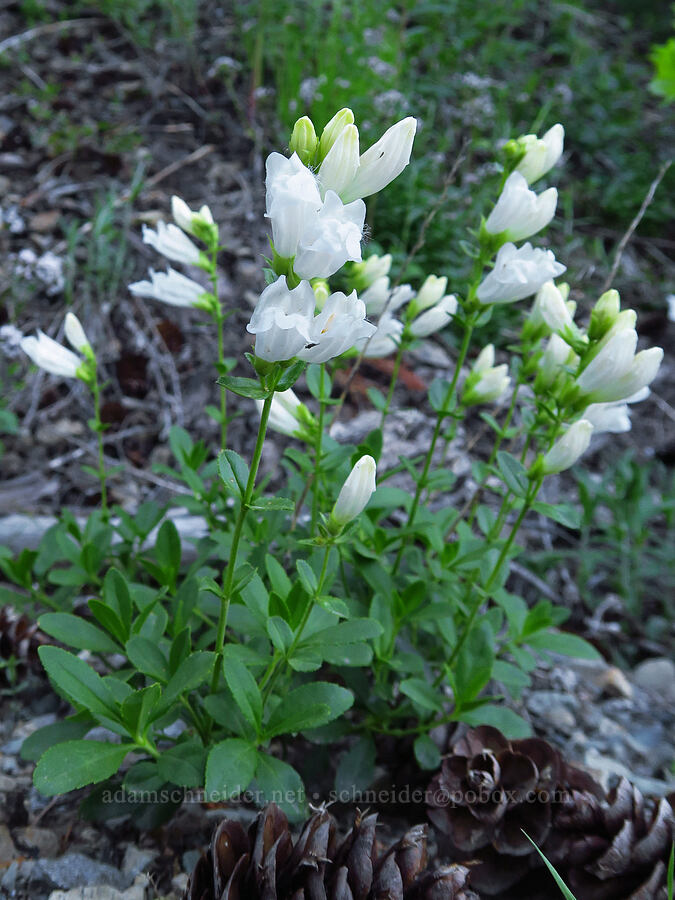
[(7, 848), (179, 883), (6, 783), (657, 676), (137, 891), (42, 840), (136, 860), (75, 870), (614, 683)]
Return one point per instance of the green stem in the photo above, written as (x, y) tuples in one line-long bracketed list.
[(392, 384), (271, 677), (96, 390), (317, 449), (220, 321), (440, 418), (228, 579)]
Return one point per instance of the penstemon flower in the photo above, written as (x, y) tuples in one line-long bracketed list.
[(171, 287), (429, 294), (519, 212), (567, 449), (386, 339), (292, 201), (340, 324), (379, 296), (355, 493), (371, 270), (75, 333), (617, 371), (485, 382), (518, 273), (289, 416), (382, 162), (53, 357), (189, 220), (541, 154), (557, 354), (553, 308), (435, 318), (303, 140), (333, 238), (341, 163), (171, 242), (613, 418)]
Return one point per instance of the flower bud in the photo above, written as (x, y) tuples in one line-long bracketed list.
[(556, 354), (540, 154), (49, 355), (171, 242), (366, 273), (356, 492), (304, 141), (429, 294), (519, 212), (333, 130), (341, 162), (485, 382), (604, 314), (75, 332), (436, 318), (567, 449), (321, 290)]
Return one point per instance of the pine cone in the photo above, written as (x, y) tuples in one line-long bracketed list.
[(265, 864), (491, 790), (19, 641)]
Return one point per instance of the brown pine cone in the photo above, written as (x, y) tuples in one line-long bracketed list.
[(19, 642), (265, 864), (491, 790)]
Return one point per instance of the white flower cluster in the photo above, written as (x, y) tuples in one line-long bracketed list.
[(53, 357)]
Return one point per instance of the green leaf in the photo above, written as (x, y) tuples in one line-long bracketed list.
[(74, 764), (281, 583), (138, 708), (233, 472), (183, 764), (78, 682), (309, 706), (192, 672), (474, 663), (356, 770), (244, 690), (271, 503), (422, 694), (230, 768), (244, 387), (167, 547), (501, 717), (513, 472), (116, 595), (147, 658), (352, 632), (307, 577), (108, 618), (59, 732), (280, 633), (377, 398), (77, 632), (562, 513), (563, 642), (427, 753), (281, 784), (290, 376)]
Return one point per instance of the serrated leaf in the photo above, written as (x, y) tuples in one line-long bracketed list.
[(41, 740), (513, 473), (356, 770), (281, 784), (147, 657), (307, 577), (243, 387), (309, 706), (422, 694), (563, 513), (78, 681), (562, 642), (509, 723), (427, 753), (271, 503), (244, 690), (233, 472), (74, 631), (74, 764), (230, 768)]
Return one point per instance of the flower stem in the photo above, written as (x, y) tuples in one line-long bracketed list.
[(317, 449), (228, 579), (96, 391), (392, 384), (220, 321)]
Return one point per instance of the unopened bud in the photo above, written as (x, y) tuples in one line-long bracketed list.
[(304, 140), (356, 492), (333, 130)]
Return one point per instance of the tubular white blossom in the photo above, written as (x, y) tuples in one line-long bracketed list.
[(379, 296), (282, 319), (292, 201), (541, 154), (485, 382), (366, 273), (518, 273), (567, 449), (171, 242), (75, 332), (384, 161), (284, 413), (556, 354), (613, 418), (341, 120), (170, 287), (49, 355), (435, 318), (552, 307), (356, 492), (519, 212), (386, 339), (338, 326), (430, 293), (333, 238), (338, 169), (184, 217)]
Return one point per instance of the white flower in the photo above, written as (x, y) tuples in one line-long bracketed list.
[(556, 354), (485, 382), (170, 241), (379, 296), (285, 413), (541, 154), (170, 287), (282, 319), (185, 218), (333, 238), (553, 308), (386, 339), (340, 324), (519, 212), (518, 273), (429, 294), (75, 332), (341, 120), (49, 355), (366, 273), (567, 449), (435, 318), (382, 162), (292, 201), (356, 492), (613, 418), (339, 167), (617, 371)]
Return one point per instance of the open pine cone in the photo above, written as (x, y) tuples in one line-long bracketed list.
[(265, 864), (491, 790)]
